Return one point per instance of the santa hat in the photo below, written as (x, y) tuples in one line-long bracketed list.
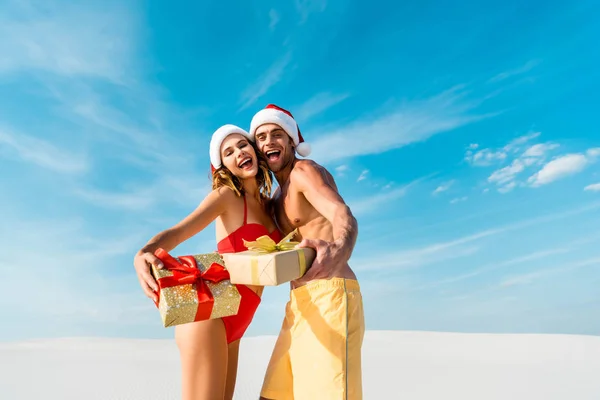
[(217, 139), (273, 114)]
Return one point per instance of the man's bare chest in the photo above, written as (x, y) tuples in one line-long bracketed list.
[(290, 211)]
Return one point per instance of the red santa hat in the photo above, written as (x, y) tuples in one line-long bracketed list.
[(217, 139), (273, 114)]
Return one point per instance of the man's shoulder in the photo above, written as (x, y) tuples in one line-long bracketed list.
[(307, 173), (307, 166)]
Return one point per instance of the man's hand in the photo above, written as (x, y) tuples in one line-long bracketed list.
[(142, 263), (329, 260)]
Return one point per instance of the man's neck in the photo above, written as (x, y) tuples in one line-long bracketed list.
[(283, 175)]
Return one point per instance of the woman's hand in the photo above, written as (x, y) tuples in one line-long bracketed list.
[(142, 263)]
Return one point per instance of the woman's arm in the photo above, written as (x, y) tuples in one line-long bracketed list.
[(214, 205)]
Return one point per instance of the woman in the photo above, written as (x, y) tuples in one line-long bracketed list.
[(238, 203)]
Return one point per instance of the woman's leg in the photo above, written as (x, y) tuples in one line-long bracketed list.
[(203, 351), (232, 365)]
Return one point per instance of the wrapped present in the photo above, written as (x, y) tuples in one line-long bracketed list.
[(267, 263), (194, 288)]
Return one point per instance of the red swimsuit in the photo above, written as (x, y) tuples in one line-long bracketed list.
[(236, 325)]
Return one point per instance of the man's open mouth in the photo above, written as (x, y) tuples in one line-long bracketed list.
[(273, 155), (246, 163)]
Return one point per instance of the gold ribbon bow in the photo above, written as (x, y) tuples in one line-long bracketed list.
[(265, 244)]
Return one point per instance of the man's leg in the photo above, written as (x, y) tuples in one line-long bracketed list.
[(356, 334), (326, 341)]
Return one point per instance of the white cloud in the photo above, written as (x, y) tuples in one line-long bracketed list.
[(318, 104), (307, 7), (341, 170), (487, 157), (507, 187), (593, 152), (372, 203), (408, 123), (492, 267), (531, 277), (517, 71), (412, 259), (595, 187), (443, 187), (516, 144), (123, 124), (269, 79), (67, 40), (520, 279), (455, 247), (273, 19), (459, 200), (540, 149), (504, 177), (42, 153), (59, 261), (141, 143), (187, 191), (559, 168), (73, 41), (138, 200), (363, 175)]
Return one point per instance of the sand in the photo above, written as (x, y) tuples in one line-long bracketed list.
[(397, 365)]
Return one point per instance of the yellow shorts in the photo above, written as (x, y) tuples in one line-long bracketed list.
[(318, 352)]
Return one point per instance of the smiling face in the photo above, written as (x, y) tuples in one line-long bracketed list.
[(238, 156), (275, 145)]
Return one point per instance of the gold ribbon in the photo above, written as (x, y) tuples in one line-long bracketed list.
[(302, 262), (265, 244)]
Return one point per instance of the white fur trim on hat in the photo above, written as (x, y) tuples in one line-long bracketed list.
[(303, 149), (286, 122), (217, 139)]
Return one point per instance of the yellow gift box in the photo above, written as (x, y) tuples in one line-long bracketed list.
[(267, 263)]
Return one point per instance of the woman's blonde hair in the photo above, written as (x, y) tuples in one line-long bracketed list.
[(222, 176)]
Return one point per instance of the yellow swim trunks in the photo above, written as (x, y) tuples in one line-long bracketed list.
[(318, 353)]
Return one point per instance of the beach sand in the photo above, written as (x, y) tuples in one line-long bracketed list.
[(396, 365)]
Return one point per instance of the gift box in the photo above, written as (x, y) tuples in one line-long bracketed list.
[(267, 263), (194, 288)]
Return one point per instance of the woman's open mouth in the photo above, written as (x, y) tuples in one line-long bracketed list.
[(246, 163)]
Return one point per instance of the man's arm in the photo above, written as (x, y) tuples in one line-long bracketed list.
[(322, 195)]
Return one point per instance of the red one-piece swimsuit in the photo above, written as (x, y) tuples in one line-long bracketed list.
[(236, 325)]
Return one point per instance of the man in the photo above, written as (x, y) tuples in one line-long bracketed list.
[(318, 352)]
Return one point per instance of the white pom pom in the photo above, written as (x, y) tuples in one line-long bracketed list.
[(303, 149)]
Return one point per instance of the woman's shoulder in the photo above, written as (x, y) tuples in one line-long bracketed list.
[(224, 193)]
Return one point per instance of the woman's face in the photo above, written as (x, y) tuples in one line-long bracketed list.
[(238, 156)]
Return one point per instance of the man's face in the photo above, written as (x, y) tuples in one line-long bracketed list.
[(276, 146)]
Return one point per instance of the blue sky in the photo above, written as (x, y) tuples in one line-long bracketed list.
[(464, 137)]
